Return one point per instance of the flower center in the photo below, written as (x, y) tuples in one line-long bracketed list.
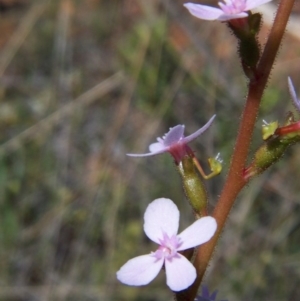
[(232, 7), (168, 247)]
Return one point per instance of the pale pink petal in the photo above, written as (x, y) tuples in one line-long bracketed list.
[(199, 132), (197, 233), (250, 4), (204, 12), (157, 147), (140, 270), (161, 216), (227, 17), (174, 135), (146, 155), (295, 99), (180, 273)]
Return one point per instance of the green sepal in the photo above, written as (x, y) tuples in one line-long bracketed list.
[(249, 51), (248, 45)]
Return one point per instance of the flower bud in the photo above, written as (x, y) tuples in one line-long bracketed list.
[(269, 153), (193, 185)]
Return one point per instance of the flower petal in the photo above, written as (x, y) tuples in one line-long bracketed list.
[(145, 155), (205, 296), (180, 273), (295, 99), (203, 11), (227, 17), (140, 270), (191, 137), (250, 4), (198, 233), (157, 147), (161, 216), (174, 135), (205, 292)]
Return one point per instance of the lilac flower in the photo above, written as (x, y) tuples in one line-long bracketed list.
[(161, 222), (206, 295), (174, 142), (293, 94), (230, 9)]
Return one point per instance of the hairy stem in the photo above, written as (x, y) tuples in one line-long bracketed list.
[(235, 181)]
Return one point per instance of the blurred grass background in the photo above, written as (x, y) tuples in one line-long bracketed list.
[(85, 82)]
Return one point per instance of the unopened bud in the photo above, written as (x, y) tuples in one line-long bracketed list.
[(269, 153), (193, 185)]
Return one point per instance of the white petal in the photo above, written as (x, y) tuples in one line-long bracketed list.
[(204, 12), (199, 132), (296, 101), (161, 216), (174, 135), (144, 155), (250, 4), (227, 17), (198, 233), (157, 147), (180, 273), (140, 270)]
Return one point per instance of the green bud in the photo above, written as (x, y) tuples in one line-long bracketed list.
[(193, 185), (269, 153)]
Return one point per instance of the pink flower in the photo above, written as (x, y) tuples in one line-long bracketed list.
[(174, 142), (231, 9), (161, 222), (295, 99)]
